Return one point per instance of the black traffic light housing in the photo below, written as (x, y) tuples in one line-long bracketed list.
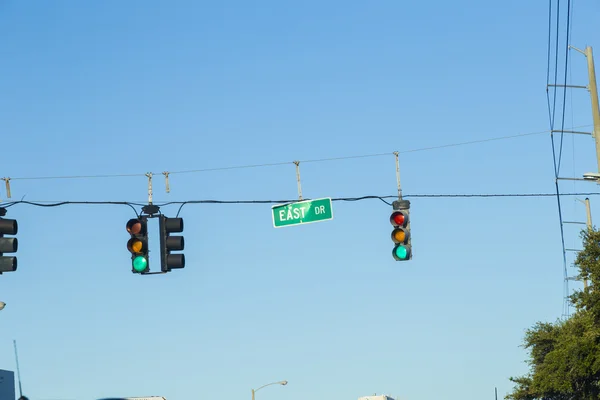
[(138, 244), (8, 245), (170, 243), (400, 220)]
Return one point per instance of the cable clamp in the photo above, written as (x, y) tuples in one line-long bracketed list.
[(149, 175), (7, 184), (168, 187), (298, 179)]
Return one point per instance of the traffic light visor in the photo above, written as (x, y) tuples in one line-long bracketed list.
[(134, 226), (398, 218), (175, 243), (174, 225), (8, 264), (9, 245), (8, 226), (176, 261)]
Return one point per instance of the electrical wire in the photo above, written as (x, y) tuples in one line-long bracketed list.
[(564, 102), (552, 109), (200, 170), (549, 43), (552, 120), (562, 132), (569, 67), (50, 204), (552, 115), (62, 203)]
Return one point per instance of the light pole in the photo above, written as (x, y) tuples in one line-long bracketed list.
[(282, 383)]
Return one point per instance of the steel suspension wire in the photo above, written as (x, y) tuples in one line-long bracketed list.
[(272, 164)]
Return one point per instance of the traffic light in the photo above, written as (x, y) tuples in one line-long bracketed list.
[(8, 245), (400, 220), (138, 244), (170, 243)]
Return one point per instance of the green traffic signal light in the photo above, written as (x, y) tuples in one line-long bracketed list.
[(401, 253), (140, 263)]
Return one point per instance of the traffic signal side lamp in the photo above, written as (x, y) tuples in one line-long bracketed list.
[(170, 243), (138, 244), (400, 220), (8, 245)]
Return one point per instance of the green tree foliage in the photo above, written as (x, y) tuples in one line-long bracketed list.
[(564, 357)]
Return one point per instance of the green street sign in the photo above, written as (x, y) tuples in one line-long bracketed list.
[(302, 212)]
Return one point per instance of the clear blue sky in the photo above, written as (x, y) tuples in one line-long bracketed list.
[(117, 87)]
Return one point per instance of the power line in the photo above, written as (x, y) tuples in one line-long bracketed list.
[(564, 102), (552, 120), (261, 165), (564, 105), (552, 115), (49, 204)]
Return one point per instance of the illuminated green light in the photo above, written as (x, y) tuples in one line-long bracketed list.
[(401, 252), (140, 264)]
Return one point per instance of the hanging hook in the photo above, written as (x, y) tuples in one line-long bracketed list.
[(7, 184), (168, 187), (398, 176), (149, 175), (298, 179)]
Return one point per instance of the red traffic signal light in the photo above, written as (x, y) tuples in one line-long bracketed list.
[(399, 218)]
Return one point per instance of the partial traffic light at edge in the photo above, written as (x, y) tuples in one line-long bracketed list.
[(138, 245), (8, 244), (400, 220)]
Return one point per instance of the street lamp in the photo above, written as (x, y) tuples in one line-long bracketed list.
[(282, 383), (2, 305), (592, 176)]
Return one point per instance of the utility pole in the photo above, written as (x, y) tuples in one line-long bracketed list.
[(589, 213), (595, 108), (593, 89), (588, 224), (588, 176)]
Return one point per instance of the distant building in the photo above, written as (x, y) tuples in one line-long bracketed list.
[(374, 397), (7, 385)]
